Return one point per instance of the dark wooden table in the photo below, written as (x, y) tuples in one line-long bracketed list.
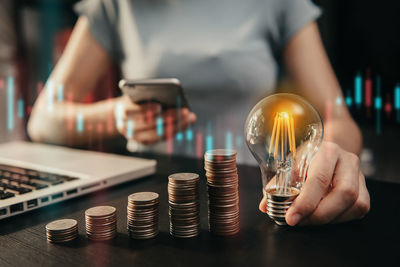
[(374, 241)]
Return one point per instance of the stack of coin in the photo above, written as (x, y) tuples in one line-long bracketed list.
[(142, 215), (101, 223), (184, 206), (62, 230), (223, 195)]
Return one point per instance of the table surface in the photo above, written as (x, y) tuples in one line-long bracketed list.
[(371, 241)]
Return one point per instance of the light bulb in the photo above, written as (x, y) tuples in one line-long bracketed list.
[(283, 132)]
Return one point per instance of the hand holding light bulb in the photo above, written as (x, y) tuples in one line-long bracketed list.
[(304, 179), (333, 192)]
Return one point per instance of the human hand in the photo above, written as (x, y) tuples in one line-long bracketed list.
[(139, 122), (334, 190)]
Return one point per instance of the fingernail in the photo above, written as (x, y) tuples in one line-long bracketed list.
[(294, 219)]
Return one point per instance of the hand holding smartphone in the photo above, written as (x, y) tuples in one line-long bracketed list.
[(153, 110)]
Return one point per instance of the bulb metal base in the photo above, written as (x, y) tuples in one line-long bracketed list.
[(278, 204)]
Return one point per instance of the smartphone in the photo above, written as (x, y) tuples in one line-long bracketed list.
[(166, 91)]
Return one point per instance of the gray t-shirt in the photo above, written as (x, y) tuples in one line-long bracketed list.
[(225, 52)]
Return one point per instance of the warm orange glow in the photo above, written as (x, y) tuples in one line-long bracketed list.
[(292, 137), (283, 133), (277, 136)]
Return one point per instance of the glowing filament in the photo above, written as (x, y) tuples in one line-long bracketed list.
[(283, 135)]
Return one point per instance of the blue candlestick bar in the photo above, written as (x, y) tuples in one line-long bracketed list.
[(209, 142), (338, 101), (228, 140), (20, 108), (79, 123), (238, 141), (358, 90), (129, 129), (60, 93), (10, 104), (160, 128), (349, 100), (179, 135), (189, 134), (397, 102), (189, 138), (378, 105), (120, 114)]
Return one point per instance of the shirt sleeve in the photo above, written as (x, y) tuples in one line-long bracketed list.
[(295, 15), (102, 16)]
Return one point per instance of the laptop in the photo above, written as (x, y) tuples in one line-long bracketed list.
[(35, 175)]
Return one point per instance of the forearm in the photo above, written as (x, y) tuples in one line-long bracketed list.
[(69, 123), (314, 79), (345, 133)]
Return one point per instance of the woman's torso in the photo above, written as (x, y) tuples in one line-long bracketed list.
[(224, 52), (218, 50)]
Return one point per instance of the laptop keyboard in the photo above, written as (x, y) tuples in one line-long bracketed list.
[(16, 181)]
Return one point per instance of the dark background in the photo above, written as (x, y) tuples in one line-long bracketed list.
[(361, 34)]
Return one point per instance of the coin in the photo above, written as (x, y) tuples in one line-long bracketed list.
[(143, 197), (184, 205), (63, 230), (184, 177), (222, 189), (142, 215), (101, 223), (100, 211)]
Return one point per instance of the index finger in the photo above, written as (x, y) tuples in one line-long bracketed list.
[(319, 176)]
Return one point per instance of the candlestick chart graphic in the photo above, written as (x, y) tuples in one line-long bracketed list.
[(366, 96)]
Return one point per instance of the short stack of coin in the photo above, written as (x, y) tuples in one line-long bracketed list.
[(101, 223), (184, 205), (143, 215), (223, 194), (61, 231)]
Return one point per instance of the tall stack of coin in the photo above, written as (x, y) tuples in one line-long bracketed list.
[(101, 223), (223, 195), (61, 231), (184, 205), (142, 215)]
